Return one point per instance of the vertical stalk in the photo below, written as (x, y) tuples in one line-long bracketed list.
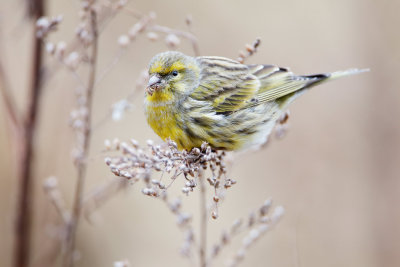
[(203, 220), (82, 161), (26, 153)]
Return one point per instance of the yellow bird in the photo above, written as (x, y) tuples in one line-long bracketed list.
[(229, 105)]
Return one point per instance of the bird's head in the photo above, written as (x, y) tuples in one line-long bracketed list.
[(172, 72)]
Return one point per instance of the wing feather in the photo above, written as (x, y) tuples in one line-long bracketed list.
[(277, 83), (226, 83)]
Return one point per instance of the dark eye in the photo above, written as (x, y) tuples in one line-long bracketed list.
[(175, 73)]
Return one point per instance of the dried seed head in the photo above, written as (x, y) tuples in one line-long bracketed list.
[(50, 183), (189, 20), (152, 36), (172, 40), (116, 143), (123, 263), (186, 190), (134, 143), (50, 48), (204, 146), (108, 161), (150, 142), (72, 60), (214, 215), (60, 49), (123, 41), (196, 151), (249, 48), (152, 15), (121, 4), (265, 207), (278, 213), (183, 219), (42, 22)]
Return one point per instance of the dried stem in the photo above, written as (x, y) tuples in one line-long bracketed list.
[(101, 194), (9, 104), (82, 161), (25, 154), (203, 220), (54, 194)]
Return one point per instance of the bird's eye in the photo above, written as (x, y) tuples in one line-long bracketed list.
[(175, 73)]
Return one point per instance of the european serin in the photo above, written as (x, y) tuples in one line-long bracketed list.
[(229, 105)]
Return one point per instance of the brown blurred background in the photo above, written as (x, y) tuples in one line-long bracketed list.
[(336, 172)]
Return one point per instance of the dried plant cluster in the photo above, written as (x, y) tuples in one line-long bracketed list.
[(127, 160), (135, 163), (138, 163)]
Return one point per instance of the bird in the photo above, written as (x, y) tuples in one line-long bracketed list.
[(220, 101)]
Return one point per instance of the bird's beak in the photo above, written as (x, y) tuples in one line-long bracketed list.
[(154, 84)]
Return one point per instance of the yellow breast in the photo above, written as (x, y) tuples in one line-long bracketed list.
[(163, 119)]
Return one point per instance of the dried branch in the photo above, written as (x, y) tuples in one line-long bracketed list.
[(81, 160), (26, 154)]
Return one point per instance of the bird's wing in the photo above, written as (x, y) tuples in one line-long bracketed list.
[(227, 84), (276, 83)]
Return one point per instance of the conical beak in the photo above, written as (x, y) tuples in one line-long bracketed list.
[(154, 84)]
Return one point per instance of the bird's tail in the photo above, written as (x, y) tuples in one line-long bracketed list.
[(316, 79), (339, 74), (334, 75)]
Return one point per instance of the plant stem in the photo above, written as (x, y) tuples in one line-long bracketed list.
[(203, 221), (82, 161), (8, 100), (25, 152)]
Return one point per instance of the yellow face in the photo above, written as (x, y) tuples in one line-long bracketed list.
[(171, 74)]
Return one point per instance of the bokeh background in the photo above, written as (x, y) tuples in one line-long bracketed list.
[(336, 172)]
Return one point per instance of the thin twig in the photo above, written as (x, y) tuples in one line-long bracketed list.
[(203, 220), (82, 161), (25, 155), (111, 65), (9, 103), (54, 194), (101, 195)]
